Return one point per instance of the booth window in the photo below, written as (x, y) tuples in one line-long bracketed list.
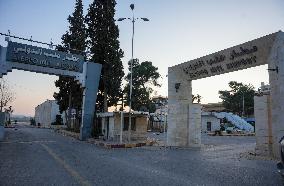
[(126, 123)]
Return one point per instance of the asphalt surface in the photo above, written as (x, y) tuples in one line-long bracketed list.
[(32, 156), (212, 140)]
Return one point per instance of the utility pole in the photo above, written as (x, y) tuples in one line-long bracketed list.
[(133, 20)]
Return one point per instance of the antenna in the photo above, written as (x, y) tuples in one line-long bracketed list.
[(51, 44)]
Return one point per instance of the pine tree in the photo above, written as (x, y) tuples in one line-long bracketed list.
[(75, 38), (73, 41), (105, 49)]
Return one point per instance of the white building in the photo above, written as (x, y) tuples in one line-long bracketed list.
[(209, 122), (265, 89), (45, 113)]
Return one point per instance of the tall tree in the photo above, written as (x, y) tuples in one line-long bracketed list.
[(73, 41), (6, 94), (144, 77), (69, 96), (238, 97), (105, 49)]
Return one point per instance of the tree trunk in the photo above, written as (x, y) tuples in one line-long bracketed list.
[(66, 118), (105, 96), (69, 109)]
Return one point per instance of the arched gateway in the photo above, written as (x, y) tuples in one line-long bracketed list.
[(184, 117), (46, 61)]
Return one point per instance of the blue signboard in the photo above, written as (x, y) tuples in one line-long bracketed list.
[(32, 55)]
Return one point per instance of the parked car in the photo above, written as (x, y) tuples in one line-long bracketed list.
[(280, 165)]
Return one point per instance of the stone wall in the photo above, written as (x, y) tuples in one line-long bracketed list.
[(263, 128), (194, 126), (141, 128)]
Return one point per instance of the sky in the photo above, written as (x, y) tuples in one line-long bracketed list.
[(178, 31)]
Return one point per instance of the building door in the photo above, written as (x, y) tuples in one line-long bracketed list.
[(209, 126)]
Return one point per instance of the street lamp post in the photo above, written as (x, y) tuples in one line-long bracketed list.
[(133, 20)]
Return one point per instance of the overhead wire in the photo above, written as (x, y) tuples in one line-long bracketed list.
[(40, 42)]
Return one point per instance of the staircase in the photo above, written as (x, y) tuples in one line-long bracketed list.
[(237, 121)]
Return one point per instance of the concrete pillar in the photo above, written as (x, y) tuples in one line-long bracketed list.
[(263, 125), (194, 125), (184, 123), (91, 84), (276, 80)]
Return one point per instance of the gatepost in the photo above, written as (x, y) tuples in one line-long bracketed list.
[(183, 116), (276, 81), (91, 84), (183, 122), (41, 60)]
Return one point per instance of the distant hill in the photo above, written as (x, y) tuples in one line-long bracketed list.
[(20, 118)]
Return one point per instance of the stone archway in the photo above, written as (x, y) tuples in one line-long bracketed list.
[(184, 127), (46, 61)]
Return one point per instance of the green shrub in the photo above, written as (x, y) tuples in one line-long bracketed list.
[(58, 120), (32, 121)]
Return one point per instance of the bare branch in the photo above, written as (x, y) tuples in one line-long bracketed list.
[(7, 96)]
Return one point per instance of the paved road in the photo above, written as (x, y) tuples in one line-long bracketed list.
[(212, 140), (31, 156)]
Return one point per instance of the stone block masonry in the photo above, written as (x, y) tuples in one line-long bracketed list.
[(183, 120), (263, 129)]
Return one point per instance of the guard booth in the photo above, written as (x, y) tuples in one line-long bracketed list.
[(112, 127)]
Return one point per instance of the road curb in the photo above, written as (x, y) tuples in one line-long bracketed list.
[(213, 134), (105, 144), (118, 145), (67, 133)]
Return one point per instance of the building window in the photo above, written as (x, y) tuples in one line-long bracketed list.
[(209, 126), (126, 123)]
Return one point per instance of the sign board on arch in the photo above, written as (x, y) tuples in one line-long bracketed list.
[(37, 56), (246, 55)]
